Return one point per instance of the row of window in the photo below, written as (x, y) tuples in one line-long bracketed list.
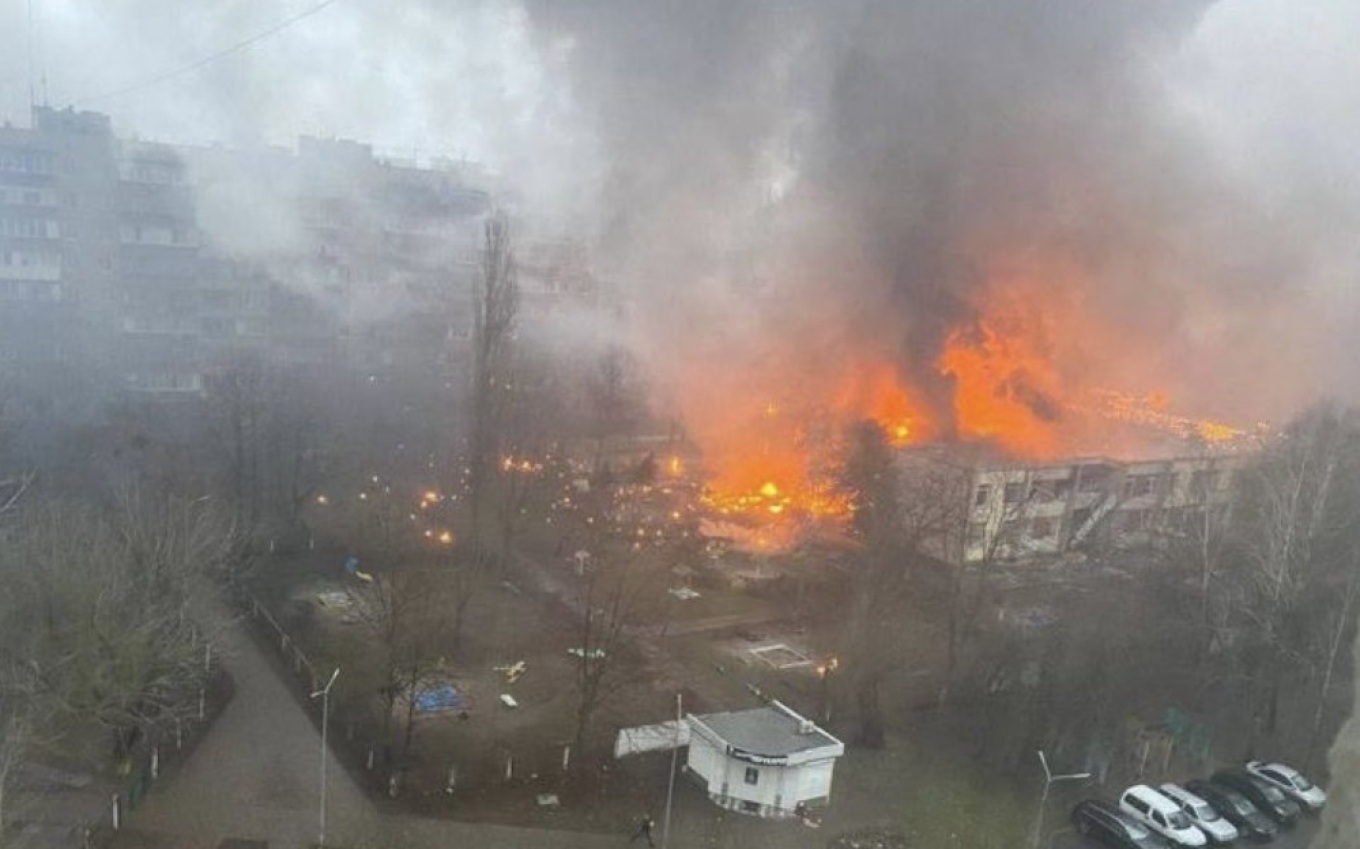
[(20, 258), (156, 173), (1200, 483), (25, 161), (23, 196), (1046, 528), (180, 325), (166, 381), (154, 234), (29, 228), (29, 290)]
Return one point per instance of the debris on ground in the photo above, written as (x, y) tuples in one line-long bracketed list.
[(870, 838)]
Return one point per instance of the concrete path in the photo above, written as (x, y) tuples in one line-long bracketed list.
[(256, 776)]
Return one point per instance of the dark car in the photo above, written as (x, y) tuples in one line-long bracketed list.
[(1236, 809), (1264, 795), (1102, 821)]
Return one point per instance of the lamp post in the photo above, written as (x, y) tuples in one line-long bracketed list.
[(1049, 780), (325, 694), (670, 786)]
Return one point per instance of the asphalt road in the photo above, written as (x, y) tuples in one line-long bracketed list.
[(1298, 837)]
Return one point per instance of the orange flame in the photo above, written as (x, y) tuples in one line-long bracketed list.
[(1024, 371)]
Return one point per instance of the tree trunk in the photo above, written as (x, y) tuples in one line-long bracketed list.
[(870, 713), (410, 711)]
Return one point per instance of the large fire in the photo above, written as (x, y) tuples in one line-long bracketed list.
[(1023, 369)]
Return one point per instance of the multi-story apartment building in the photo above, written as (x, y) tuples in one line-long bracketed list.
[(146, 264)]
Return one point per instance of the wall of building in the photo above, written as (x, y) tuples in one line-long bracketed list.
[(157, 263), (776, 788), (1032, 511)]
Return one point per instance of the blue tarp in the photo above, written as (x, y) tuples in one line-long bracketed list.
[(443, 697)]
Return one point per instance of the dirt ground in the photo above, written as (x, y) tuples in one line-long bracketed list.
[(727, 647)]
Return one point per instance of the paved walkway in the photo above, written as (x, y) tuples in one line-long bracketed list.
[(255, 776)]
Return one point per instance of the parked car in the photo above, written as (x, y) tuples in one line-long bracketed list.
[(1161, 815), (1236, 809), (1215, 826), (1264, 795), (1100, 820), (1292, 782)]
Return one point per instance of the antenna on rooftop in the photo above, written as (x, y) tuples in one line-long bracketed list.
[(32, 94), (37, 69)]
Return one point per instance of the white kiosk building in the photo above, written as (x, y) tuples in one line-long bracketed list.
[(763, 761)]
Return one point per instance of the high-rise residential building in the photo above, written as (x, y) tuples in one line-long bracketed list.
[(135, 266)]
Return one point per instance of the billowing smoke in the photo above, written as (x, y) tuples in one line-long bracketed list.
[(1165, 188), (793, 185)]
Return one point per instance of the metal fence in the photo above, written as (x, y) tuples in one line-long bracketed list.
[(159, 753)]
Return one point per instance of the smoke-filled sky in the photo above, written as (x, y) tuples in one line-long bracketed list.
[(1156, 194)]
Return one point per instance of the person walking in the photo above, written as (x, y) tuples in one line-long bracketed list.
[(644, 829)]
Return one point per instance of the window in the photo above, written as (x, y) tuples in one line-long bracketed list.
[(752, 775), (1013, 492), (984, 492), (1137, 485), (1042, 528)]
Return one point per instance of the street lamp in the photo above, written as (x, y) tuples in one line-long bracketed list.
[(1049, 780), (325, 694), (670, 787)]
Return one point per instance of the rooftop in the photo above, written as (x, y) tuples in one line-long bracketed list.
[(774, 730)]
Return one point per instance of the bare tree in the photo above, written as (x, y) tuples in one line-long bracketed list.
[(12, 491), (18, 734), (614, 602), (267, 429), (495, 307), (406, 611), (881, 572), (99, 631), (526, 473), (1297, 526), (238, 399)]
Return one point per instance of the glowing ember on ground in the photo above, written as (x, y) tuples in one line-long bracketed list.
[(1022, 372)]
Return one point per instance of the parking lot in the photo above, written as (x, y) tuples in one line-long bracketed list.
[(1298, 837)]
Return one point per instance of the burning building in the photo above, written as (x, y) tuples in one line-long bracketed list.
[(1008, 511), (972, 224)]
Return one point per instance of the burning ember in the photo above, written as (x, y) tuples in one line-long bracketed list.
[(1022, 369)]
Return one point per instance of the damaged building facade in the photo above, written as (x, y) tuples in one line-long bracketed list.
[(1003, 510)]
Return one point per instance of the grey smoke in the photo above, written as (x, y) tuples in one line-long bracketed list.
[(1195, 156), (926, 140)]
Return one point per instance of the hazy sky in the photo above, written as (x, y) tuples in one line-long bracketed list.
[(1272, 79), (586, 101)]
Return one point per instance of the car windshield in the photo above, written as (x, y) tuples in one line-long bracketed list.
[(1205, 813), (1178, 820)]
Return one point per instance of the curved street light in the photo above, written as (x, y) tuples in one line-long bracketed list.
[(1049, 780), (325, 694)]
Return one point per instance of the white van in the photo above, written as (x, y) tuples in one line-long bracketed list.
[(1161, 815), (1202, 815)]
